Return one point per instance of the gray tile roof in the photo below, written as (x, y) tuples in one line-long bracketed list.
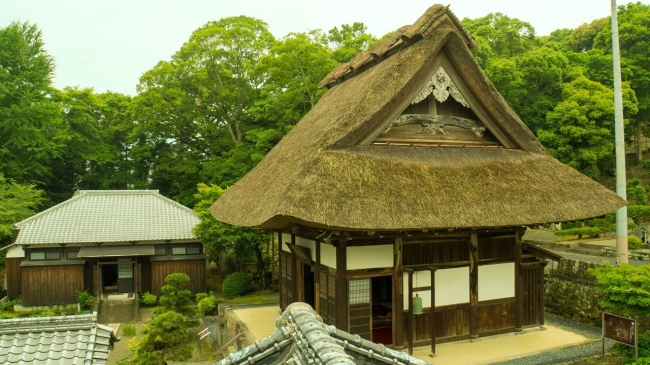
[(301, 337), (63, 340), (92, 216)]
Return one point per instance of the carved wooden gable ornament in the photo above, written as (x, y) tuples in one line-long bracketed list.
[(442, 114)]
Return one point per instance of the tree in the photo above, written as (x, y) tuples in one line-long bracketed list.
[(349, 40), (626, 288), (175, 296), (30, 120), (166, 339), (18, 202), (218, 237)]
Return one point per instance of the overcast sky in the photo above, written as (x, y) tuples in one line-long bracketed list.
[(109, 44)]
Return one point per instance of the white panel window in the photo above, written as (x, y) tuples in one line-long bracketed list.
[(452, 286), (369, 257), (37, 255), (178, 250), (496, 281), (328, 255), (124, 271), (359, 291)]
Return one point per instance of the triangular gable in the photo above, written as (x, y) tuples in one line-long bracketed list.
[(443, 113)]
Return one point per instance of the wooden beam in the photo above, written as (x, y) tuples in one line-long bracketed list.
[(398, 301), (280, 284), (341, 288), (518, 288), (369, 273), (317, 278), (411, 326), (473, 286), (294, 274)]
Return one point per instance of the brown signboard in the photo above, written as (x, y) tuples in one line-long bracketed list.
[(619, 329)]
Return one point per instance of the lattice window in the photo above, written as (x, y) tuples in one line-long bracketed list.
[(359, 291), (125, 271)]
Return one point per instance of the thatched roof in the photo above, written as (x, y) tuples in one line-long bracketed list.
[(326, 173)]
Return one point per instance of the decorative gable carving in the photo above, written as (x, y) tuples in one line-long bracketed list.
[(434, 118)]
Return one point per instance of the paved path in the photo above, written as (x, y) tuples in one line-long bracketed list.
[(260, 321)]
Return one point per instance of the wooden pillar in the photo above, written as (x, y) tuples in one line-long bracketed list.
[(295, 297), (97, 279), (341, 287), (473, 286), (518, 288), (317, 278), (432, 319), (542, 293), (411, 326), (398, 301)]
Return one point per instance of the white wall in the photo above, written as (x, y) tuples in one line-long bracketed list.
[(308, 244), (15, 251), (369, 257), (328, 255), (452, 286), (496, 281)]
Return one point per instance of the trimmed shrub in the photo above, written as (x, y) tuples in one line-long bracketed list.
[(593, 231), (85, 299), (148, 299), (209, 306), (200, 296), (236, 284), (634, 243), (571, 225)]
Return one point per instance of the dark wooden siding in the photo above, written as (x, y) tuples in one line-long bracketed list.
[(327, 297), (47, 285), (532, 306), (496, 316), (195, 269), (496, 248), (360, 318), (286, 279), (14, 285), (145, 272), (88, 277), (436, 252), (452, 324)]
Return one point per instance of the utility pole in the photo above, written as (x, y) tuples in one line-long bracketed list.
[(621, 185)]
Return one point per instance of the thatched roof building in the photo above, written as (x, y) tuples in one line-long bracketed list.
[(347, 164)]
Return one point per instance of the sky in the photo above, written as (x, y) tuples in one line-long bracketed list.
[(109, 44)]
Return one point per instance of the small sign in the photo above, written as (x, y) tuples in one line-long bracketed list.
[(204, 334), (619, 329)]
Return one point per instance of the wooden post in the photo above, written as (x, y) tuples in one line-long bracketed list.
[(473, 286), (411, 326), (398, 296), (280, 281), (432, 320), (341, 288), (542, 293), (317, 278), (294, 274), (518, 289)]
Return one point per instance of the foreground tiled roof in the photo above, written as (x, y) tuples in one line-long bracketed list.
[(92, 216), (65, 340), (301, 337)]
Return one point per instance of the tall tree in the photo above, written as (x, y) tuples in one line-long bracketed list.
[(18, 202), (349, 39), (30, 120)]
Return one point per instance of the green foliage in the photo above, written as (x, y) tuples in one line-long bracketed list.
[(18, 202), (236, 284), (209, 305), (148, 299), (128, 329), (644, 350), (31, 130), (349, 40), (634, 243), (8, 315), (580, 232), (571, 225), (626, 288), (175, 297), (8, 306), (166, 339), (85, 299), (200, 296), (46, 314), (639, 213), (636, 192)]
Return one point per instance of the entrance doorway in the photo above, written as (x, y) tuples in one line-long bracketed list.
[(117, 278), (109, 278), (308, 285), (382, 309)]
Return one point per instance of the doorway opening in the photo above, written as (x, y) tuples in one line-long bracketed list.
[(382, 309), (308, 285), (109, 278)]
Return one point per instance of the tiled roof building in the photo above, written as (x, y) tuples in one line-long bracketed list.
[(64, 340), (301, 337)]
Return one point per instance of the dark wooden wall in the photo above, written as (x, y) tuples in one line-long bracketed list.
[(327, 297), (360, 320), (532, 301), (436, 252), (14, 284), (195, 269), (46, 285), (145, 274), (286, 279)]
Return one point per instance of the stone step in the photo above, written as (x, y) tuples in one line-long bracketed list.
[(116, 311)]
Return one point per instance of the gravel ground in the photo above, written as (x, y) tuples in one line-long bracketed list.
[(573, 353)]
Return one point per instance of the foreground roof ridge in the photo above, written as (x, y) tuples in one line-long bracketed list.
[(301, 337)]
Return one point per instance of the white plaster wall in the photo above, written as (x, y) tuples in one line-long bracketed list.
[(369, 257), (308, 244), (496, 281), (452, 286), (286, 238), (328, 255), (15, 251)]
